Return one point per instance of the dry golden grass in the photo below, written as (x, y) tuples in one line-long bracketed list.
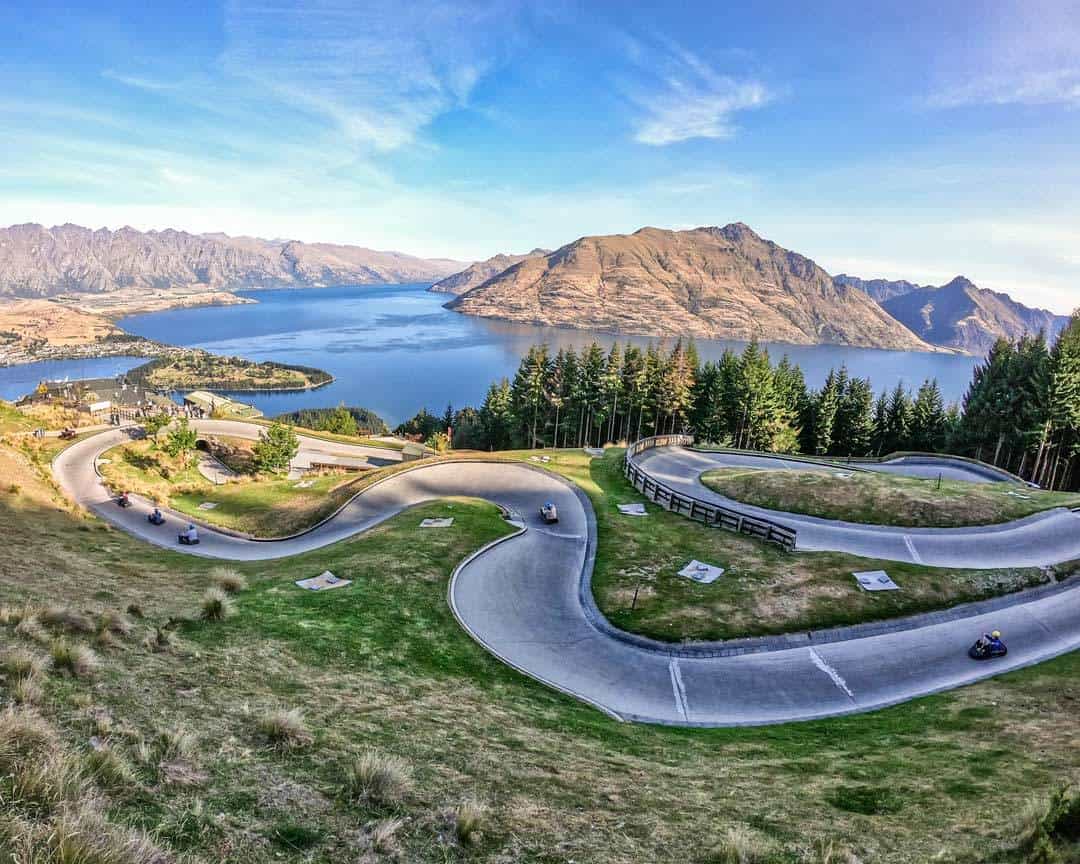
[(378, 778), (217, 605), (74, 657), (284, 728)]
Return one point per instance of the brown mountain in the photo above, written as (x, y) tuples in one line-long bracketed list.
[(481, 271), (44, 262), (709, 282), (963, 316), (879, 289)]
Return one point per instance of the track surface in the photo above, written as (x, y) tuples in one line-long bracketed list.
[(1036, 541), (521, 599)]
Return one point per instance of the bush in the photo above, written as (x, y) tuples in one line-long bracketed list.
[(114, 622), (176, 742), (77, 659), (1046, 826), (217, 606), (285, 728), (378, 779)]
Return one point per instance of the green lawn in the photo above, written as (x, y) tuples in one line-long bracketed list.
[(876, 498), (382, 665)]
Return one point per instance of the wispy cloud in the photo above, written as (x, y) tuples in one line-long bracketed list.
[(691, 100), (1036, 87), (381, 70)]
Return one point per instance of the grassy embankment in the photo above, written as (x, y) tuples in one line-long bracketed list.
[(363, 725), (884, 499), (194, 369), (256, 504)]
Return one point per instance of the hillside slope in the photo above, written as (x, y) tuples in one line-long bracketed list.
[(481, 271), (963, 316), (66, 259), (708, 282)]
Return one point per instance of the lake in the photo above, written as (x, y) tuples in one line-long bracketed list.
[(394, 349)]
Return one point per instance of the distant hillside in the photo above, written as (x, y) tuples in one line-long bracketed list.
[(67, 259), (963, 316), (709, 282), (879, 289), (481, 271)]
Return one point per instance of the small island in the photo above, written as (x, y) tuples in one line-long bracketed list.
[(192, 369)]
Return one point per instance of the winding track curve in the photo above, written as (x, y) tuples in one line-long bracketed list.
[(526, 600)]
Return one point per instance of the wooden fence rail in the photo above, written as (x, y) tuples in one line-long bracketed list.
[(696, 508)]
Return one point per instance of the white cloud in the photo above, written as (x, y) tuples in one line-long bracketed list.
[(1037, 87), (381, 70), (692, 100)]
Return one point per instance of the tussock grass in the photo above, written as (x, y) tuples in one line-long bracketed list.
[(30, 627), (1049, 831), (161, 640), (470, 816), (284, 728), (384, 835), (48, 782), (115, 623), (378, 779), (109, 768), (20, 663), (26, 691), (177, 742), (135, 610), (82, 836), (740, 845), (74, 657), (217, 605), (228, 580), (68, 620)]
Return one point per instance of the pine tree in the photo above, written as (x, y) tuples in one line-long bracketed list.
[(928, 418), (880, 436), (612, 385), (898, 423), (497, 416)]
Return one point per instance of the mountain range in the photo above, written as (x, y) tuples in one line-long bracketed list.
[(730, 283), (67, 259), (726, 283)]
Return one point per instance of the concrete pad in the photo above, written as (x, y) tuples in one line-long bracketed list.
[(437, 523), (843, 475), (633, 509), (701, 572), (875, 580), (325, 581), (539, 458), (595, 452), (304, 484), (208, 505)]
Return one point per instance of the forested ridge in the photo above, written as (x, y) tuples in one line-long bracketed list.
[(1021, 411)]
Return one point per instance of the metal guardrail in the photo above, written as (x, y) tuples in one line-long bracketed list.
[(695, 508)]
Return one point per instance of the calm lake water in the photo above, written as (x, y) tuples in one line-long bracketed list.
[(394, 349)]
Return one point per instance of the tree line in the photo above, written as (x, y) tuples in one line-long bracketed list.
[(1021, 410)]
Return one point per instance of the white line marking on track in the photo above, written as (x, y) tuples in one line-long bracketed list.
[(837, 679), (678, 688), (911, 548)]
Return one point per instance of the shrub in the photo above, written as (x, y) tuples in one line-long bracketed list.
[(1042, 826), (228, 580), (65, 618), (77, 659), (740, 846), (469, 818), (217, 605), (285, 728), (378, 778), (135, 610), (29, 627)]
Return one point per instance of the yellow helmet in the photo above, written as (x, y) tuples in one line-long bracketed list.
[(996, 634)]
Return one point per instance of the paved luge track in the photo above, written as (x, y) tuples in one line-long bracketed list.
[(521, 599), (1036, 541)]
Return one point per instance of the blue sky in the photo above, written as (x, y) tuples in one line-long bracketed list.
[(916, 140)]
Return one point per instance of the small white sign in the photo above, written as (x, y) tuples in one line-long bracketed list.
[(323, 582), (701, 572), (875, 580), (438, 523), (208, 505), (633, 509)]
